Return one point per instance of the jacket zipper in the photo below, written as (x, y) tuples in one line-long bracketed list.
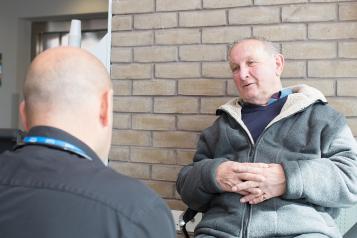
[(252, 159), (249, 207)]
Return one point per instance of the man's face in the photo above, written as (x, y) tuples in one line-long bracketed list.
[(255, 71)]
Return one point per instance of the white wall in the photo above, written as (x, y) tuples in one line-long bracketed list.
[(15, 36)]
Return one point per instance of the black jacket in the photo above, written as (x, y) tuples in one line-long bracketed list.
[(48, 192)]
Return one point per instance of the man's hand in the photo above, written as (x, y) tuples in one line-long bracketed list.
[(273, 185), (230, 174)]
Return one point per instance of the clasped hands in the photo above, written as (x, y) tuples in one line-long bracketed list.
[(256, 182)]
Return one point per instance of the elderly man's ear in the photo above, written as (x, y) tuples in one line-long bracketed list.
[(279, 62), (106, 108), (23, 116)]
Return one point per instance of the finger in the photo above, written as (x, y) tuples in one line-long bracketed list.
[(248, 198), (258, 199), (247, 185), (255, 191), (250, 168), (250, 176), (243, 192)]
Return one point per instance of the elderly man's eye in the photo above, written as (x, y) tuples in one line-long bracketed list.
[(251, 62), (234, 68)]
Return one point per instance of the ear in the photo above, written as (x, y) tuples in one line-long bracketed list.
[(106, 108), (279, 62), (23, 115)]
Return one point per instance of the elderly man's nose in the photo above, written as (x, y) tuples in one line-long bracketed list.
[(244, 73)]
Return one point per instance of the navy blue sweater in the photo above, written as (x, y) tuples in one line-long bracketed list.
[(256, 117)]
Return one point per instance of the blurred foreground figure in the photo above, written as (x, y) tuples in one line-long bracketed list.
[(55, 184)]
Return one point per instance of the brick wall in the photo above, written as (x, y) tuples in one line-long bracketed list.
[(170, 73)]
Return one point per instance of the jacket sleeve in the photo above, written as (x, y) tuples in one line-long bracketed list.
[(196, 182), (328, 181)]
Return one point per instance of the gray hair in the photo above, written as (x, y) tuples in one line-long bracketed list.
[(269, 46)]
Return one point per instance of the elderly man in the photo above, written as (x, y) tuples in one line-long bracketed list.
[(55, 184), (278, 162)]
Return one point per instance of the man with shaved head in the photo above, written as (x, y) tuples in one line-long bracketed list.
[(55, 184)]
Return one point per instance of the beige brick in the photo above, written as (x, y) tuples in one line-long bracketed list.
[(119, 153), (348, 11), (310, 12), (333, 68), (131, 137), (177, 70), (341, 30), (309, 50), (212, 87), (347, 49), (121, 121), (121, 23), (132, 104), (216, 70), (194, 122), (227, 34), (352, 122), (155, 54), (202, 18), (165, 172), (225, 3), (175, 105), (131, 71), (231, 88), (347, 106), (202, 52), (184, 157), (177, 205), (294, 69), (121, 87), (155, 21), (127, 6), (282, 32), (153, 155), (327, 87), (347, 88), (273, 2), (154, 87), (210, 104), (121, 55), (136, 170), (173, 5), (177, 36), (262, 15), (153, 122), (175, 139), (134, 38), (164, 189)]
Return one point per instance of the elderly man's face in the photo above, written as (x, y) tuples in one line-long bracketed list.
[(255, 71)]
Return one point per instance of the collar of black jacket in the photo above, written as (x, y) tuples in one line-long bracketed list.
[(58, 134)]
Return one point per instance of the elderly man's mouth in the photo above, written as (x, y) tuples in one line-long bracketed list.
[(247, 85)]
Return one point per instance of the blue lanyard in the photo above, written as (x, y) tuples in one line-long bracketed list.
[(57, 144)]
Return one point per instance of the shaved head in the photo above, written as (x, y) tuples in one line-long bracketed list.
[(70, 89), (63, 80)]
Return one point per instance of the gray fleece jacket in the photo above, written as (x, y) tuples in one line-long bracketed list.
[(317, 151)]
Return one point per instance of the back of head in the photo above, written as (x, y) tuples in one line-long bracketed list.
[(62, 82), (70, 89)]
